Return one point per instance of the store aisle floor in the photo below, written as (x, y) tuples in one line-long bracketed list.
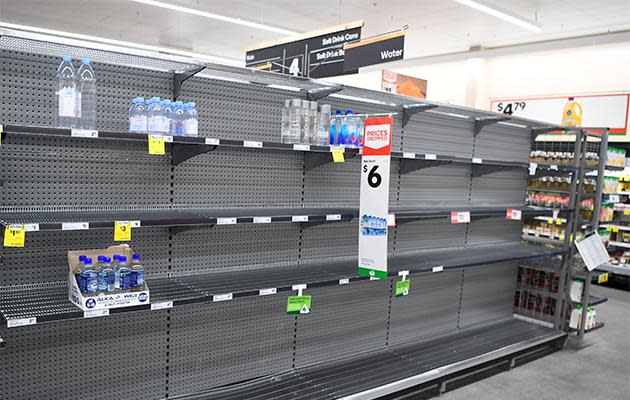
[(564, 374)]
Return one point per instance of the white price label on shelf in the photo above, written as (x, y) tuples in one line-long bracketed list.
[(344, 281), (439, 268), (460, 217), (514, 215), (222, 297), (226, 221), (302, 147), (96, 313), (532, 168), (614, 198), (31, 227), (75, 226), (163, 305), (430, 157), (135, 224), (212, 142), (84, 133), (267, 292), (391, 219), (299, 218), (333, 217), (409, 155), (477, 161), (262, 220), (168, 139), (553, 167), (250, 143), (14, 323)]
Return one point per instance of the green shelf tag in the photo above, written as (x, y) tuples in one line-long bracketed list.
[(299, 305), (402, 288)]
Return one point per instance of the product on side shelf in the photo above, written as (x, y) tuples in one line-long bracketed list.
[(110, 283), (611, 183), (616, 157), (548, 229), (561, 157)]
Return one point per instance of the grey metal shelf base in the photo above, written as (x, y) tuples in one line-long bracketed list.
[(596, 327), (57, 219), (49, 302), (183, 147), (373, 374)]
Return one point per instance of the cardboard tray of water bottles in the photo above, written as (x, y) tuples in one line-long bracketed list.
[(95, 283)]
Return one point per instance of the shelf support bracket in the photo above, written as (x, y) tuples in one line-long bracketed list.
[(480, 122), (540, 130), (181, 152), (2, 344), (321, 92), (179, 77), (315, 159), (408, 110), (408, 165)]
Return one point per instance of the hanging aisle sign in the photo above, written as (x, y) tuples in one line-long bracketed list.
[(374, 205), (376, 50)]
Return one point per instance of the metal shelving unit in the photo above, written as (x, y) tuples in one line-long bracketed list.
[(219, 294)]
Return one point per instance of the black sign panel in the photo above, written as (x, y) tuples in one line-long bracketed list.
[(316, 57), (375, 51)]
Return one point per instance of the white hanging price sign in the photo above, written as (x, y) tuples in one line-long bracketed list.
[(460, 217), (514, 215), (374, 200)]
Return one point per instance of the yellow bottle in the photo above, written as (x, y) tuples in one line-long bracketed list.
[(572, 115)]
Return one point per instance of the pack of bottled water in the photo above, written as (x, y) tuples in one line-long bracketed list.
[(75, 95), (163, 117), (305, 122), (107, 278), (373, 226)]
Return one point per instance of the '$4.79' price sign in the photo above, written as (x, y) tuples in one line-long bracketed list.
[(374, 203)]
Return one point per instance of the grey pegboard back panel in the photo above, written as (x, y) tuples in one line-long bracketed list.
[(503, 142), (434, 186), (220, 343), (488, 294), (228, 247), (430, 309), (241, 178), (41, 171), (500, 187), (333, 184), (46, 255), (330, 241), (429, 234), (117, 357), (494, 231), (433, 133), (343, 322)]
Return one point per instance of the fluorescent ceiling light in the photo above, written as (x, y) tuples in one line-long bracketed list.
[(218, 17), (501, 14), (120, 43)]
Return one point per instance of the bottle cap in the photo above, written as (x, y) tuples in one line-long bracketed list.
[(296, 103), (136, 256), (85, 61), (67, 58), (123, 259), (107, 259), (88, 260), (82, 258), (338, 112), (117, 257), (349, 112), (313, 105), (101, 258), (306, 104), (325, 108)]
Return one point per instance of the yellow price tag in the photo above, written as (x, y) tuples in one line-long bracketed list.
[(626, 212), (602, 278), (156, 145), (615, 229), (558, 222), (550, 221), (14, 235), (122, 231), (337, 155)]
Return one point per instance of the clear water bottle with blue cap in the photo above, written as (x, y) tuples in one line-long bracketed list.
[(138, 116), (167, 115), (77, 272), (124, 273), (137, 273), (86, 90), (351, 139), (179, 118), (106, 275), (116, 268), (155, 118), (191, 124), (66, 95), (89, 275)]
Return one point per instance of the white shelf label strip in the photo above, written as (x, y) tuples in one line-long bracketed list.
[(299, 218), (430, 157), (226, 221), (262, 220), (75, 226), (438, 269), (84, 133), (96, 313), (333, 217), (250, 143), (344, 281), (162, 305), (135, 224), (31, 227), (302, 147), (222, 297), (213, 142), (267, 292), (409, 155), (14, 323), (477, 161)]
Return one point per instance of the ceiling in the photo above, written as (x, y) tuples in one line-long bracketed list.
[(435, 26)]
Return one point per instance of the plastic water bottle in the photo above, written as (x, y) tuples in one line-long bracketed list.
[(89, 276), (360, 129), (115, 267), (137, 273), (167, 117), (336, 138), (179, 118), (305, 121), (323, 126), (125, 274), (106, 276), (312, 121), (191, 125), (86, 90), (77, 273), (138, 116), (352, 139), (284, 127), (295, 122), (155, 122), (66, 95)]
